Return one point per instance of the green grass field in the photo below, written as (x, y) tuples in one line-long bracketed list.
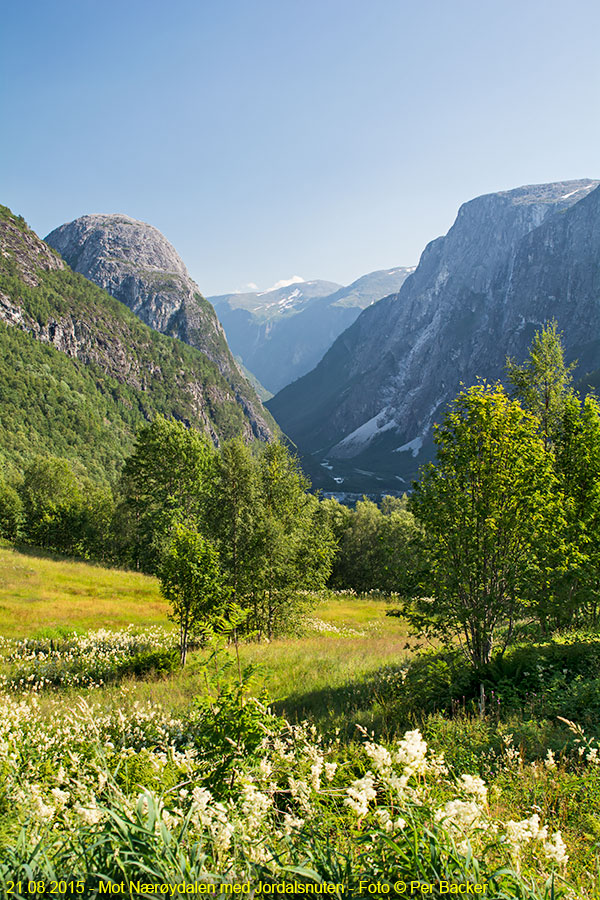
[(335, 674), (324, 673), (43, 593)]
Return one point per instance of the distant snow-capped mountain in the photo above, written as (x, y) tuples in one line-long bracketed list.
[(282, 333)]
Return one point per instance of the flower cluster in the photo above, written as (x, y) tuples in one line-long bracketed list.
[(149, 765), (87, 660)]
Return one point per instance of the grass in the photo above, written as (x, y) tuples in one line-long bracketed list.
[(334, 674), (41, 594), (327, 675)]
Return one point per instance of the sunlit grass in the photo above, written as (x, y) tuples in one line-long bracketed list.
[(40, 594), (318, 674)]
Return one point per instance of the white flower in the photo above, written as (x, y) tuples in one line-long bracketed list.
[(254, 806), (385, 820), (472, 784), (412, 752), (460, 813), (555, 849), (201, 797), (380, 757), (330, 768), (300, 791), (291, 823), (520, 833), (60, 797), (265, 768), (550, 762), (90, 814), (359, 794)]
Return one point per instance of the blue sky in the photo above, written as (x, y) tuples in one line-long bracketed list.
[(272, 138)]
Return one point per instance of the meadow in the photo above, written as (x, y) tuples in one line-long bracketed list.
[(328, 756)]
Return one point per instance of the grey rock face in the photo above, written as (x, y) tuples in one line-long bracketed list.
[(136, 264), (510, 262), (282, 334)]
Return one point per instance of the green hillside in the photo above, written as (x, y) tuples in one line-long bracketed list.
[(79, 372)]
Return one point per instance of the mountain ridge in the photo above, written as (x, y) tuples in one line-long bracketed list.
[(81, 372), (281, 334), (370, 403)]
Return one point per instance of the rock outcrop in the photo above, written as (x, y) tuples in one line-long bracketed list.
[(41, 296)]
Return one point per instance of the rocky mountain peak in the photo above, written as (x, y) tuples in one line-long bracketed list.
[(137, 265), (91, 239)]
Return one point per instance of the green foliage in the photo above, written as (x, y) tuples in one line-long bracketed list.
[(576, 592), (162, 483), (88, 409), (229, 724), (232, 512), (378, 548), (492, 512), (63, 512), (294, 542), (542, 383), (192, 582), (11, 511), (274, 541)]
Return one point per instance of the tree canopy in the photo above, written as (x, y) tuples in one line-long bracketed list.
[(490, 507)]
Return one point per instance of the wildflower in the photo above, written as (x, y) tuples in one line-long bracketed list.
[(359, 794), (60, 797), (472, 784), (380, 757), (265, 768), (520, 833), (555, 849), (90, 814), (254, 806), (385, 820), (460, 813), (315, 774), (300, 791), (330, 768), (291, 823), (549, 761)]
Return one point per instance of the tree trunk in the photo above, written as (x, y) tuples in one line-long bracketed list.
[(481, 703)]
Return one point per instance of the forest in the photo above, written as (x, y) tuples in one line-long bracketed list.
[(465, 751)]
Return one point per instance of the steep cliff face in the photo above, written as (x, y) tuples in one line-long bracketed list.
[(510, 262), (282, 334), (102, 369), (136, 264)]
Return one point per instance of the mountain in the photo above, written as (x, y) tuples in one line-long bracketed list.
[(136, 264), (79, 372), (512, 261), (281, 334)]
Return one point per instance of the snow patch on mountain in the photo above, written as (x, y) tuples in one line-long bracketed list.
[(364, 434), (414, 446)]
